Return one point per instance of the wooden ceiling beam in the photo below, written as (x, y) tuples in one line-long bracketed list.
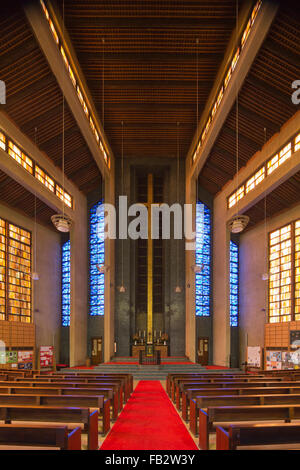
[(89, 20), (278, 50), (271, 93), (147, 57)]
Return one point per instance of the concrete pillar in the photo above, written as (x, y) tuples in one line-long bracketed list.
[(221, 284), (109, 296), (79, 275)]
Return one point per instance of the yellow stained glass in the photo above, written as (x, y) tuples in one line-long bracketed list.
[(44, 179), (297, 268), (280, 281), (2, 141), (20, 157), (297, 143), (19, 274), (64, 196)]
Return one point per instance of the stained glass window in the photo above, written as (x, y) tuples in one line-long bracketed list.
[(63, 195), (203, 259), (2, 268), (19, 274), (280, 282), (2, 141), (297, 270), (44, 178), (234, 283), (97, 259), (66, 282), (20, 157)]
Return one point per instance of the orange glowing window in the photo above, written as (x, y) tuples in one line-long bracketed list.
[(44, 179), (20, 157)]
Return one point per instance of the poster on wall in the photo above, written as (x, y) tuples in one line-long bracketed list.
[(11, 357), (46, 356), (287, 360), (254, 355), (295, 339), (25, 359), (273, 360)]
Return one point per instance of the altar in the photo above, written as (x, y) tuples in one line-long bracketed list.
[(159, 342), (163, 348)]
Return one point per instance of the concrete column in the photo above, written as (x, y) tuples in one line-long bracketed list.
[(221, 284), (79, 273), (109, 296), (190, 279)]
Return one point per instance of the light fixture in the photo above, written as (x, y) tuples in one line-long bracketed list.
[(122, 288), (62, 222), (177, 288), (102, 269), (238, 223), (34, 275), (265, 277), (197, 268)]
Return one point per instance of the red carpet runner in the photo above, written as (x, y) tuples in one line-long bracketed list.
[(149, 422)]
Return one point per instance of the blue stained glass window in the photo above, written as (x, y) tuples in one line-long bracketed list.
[(234, 284), (65, 283), (97, 258), (203, 259)]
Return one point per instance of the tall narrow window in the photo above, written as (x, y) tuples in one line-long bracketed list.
[(280, 283), (66, 282), (19, 274), (97, 259), (2, 268), (297, 270), (203, 259), (234, 283)]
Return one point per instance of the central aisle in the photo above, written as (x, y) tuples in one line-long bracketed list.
[(149, 422)]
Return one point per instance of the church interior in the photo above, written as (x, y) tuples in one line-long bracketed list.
[(150, 225)]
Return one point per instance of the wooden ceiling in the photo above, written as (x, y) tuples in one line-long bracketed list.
[(15, 195), (147, 64), (34, 100), (264, 101), (283, 197)]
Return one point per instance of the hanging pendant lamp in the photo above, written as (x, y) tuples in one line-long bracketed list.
[(238, 223), (62, 222)]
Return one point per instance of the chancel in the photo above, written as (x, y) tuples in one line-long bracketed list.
[(149, 226)]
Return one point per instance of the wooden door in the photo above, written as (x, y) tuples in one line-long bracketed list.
[(202, 353), (96, 350)]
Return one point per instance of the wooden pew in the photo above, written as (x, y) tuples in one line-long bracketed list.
[(194, 393), (62, 390), (53, 414), (62, 401), (230, 383), (106, 381), (126, 379), (40, 436), (238, 400), (228, 414), (256, 435), (173, 379), (117, 400)]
